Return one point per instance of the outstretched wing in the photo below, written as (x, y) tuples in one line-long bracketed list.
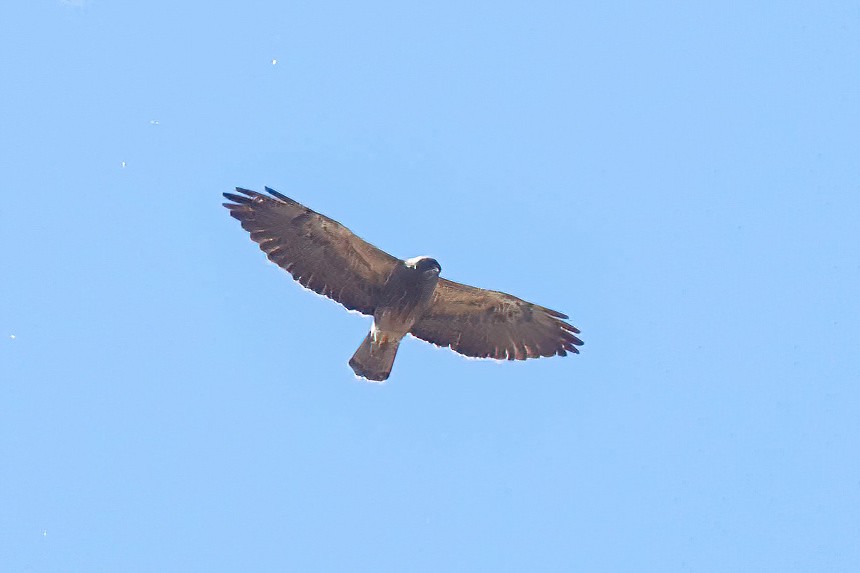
[(319, 252), (491, 324)]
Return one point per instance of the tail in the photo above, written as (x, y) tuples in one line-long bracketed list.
[(375, 357)]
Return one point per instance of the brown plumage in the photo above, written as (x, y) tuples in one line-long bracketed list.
[(402, 296), (491, 324)]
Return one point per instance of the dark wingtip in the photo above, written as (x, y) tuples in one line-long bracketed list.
[(239, 199), (569, 328), (555, 313), (274, 193)]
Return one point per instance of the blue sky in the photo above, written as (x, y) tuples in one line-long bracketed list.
[(681, 178)]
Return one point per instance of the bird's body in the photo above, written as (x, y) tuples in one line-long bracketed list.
[(407, 292), (403, 301), (402, 296)]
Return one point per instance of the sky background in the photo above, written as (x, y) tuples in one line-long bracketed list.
[(681, 178)]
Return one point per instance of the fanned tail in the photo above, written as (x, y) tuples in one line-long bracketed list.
[(375, 357)]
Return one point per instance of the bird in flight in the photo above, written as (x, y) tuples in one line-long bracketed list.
[(403, 296)]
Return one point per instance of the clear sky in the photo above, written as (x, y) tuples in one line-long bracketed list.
[(681, 178)]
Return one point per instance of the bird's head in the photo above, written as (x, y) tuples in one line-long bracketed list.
[(426, 265)]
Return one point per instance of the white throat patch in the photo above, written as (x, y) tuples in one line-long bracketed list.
[(413, 262)]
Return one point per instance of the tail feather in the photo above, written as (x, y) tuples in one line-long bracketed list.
[(375, 357)]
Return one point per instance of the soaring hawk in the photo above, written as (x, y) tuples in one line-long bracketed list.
[(403, 297)]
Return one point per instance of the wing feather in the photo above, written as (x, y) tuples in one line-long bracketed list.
[(320, 253), (491, 324)]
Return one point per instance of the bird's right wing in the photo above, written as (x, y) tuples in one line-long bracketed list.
[(320, 253), (492, 324)]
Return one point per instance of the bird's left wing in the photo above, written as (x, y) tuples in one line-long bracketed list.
[(319, 252), (491, 324)]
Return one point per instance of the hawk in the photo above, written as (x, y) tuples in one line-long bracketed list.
[(403, 296)]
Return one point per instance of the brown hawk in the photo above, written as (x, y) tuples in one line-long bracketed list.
[(402, 296)]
